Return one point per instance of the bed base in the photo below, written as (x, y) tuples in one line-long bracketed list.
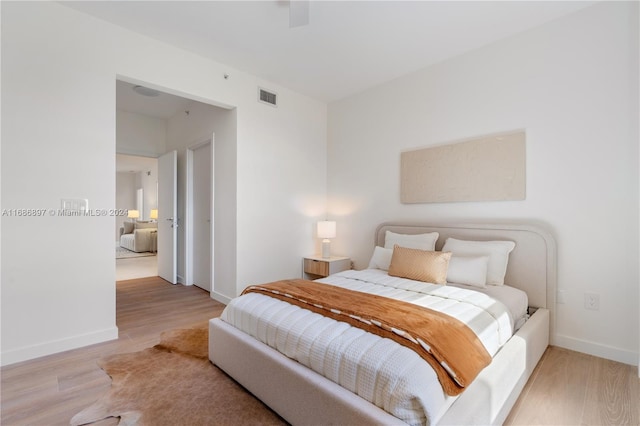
[(303, 397)]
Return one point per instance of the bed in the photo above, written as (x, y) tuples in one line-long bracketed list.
[(302, 396)]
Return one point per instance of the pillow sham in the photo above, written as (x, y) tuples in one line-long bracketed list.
[(470, 270), (381, 258), (418, 241), (498, 252), (419, 265)]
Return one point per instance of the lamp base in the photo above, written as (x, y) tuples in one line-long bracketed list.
[(326, 249)]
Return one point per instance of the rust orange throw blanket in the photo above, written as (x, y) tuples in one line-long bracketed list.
[(446, 343)]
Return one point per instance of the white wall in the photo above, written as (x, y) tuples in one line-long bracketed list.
[(277, 173), (59, 68), (138, 134), (148, 181), (183, 131), (280, 160), (568, 84), (125, 197), (143, 136)]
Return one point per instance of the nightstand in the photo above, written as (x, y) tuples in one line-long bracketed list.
[(314, 267)]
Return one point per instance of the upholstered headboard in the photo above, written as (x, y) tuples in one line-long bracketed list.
[(532, 263)]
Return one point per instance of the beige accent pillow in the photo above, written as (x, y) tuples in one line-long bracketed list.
[(420, 265)]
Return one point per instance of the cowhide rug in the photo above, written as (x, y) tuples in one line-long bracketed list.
[(174, 383)]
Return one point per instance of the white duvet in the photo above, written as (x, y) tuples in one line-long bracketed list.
[(379, 370)]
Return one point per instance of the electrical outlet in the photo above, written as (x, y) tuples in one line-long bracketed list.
[(592, 301)]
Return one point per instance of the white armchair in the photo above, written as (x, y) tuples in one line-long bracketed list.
[(139, 236)]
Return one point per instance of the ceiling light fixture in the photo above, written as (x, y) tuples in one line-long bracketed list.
[(145, 91)]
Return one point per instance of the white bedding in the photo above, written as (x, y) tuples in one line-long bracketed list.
[(379, 370), (514, 299)]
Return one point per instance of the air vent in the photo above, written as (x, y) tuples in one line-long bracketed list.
[(267, 97)]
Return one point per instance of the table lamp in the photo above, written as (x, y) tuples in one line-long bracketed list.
[(326, 230), (133, 215)]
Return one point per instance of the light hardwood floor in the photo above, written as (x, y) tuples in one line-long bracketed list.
[(567, 388), (50, 390), (136, 267), (571, 388)]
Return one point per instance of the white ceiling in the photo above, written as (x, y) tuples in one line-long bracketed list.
[(347, 47), (162, 106), (134, 164)]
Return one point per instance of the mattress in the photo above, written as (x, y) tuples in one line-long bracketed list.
[(379, 370)]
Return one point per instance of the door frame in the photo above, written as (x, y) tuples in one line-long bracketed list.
[(189, 227)]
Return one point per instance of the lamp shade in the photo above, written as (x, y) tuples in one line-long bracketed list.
[(153, 214), (133, 214), (326, 229)]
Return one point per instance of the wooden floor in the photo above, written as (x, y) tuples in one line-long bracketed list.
[(136, 267), (50, 390), (571, 388), (567, 388)]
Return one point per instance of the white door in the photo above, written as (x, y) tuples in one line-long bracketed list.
[(202, 216), (167, 216)]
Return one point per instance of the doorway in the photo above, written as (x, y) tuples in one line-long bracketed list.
[(154, 125), (199, 200), (136, 190)]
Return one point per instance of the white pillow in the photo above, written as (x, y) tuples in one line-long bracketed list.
[(498, 252), (470, 270), (419, 241), (381, 258)]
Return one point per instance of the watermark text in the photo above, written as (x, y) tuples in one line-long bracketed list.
[(63, 212)]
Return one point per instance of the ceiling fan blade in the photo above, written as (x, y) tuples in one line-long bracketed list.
[(298, 13)]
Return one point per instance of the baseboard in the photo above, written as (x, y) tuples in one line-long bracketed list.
[(596, 349), (220, 297), (53, 347), (180, 280)]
